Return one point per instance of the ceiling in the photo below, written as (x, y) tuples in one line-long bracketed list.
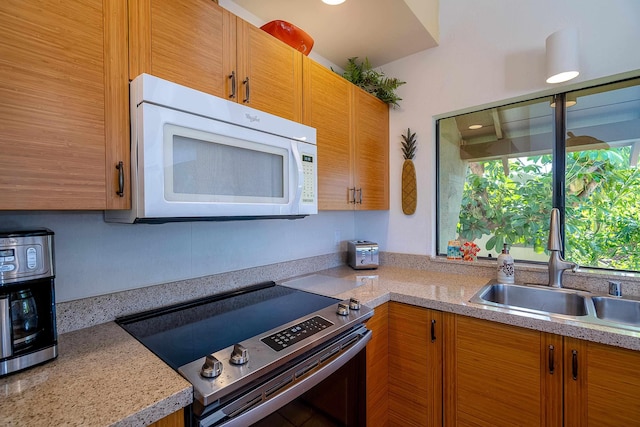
[(380, 30), (603, 116)]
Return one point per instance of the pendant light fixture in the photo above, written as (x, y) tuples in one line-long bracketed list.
[(562, 55)]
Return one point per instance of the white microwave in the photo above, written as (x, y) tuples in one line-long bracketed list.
[(195, 156)]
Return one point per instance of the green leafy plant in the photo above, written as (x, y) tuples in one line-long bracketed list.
[(601, 197), (373, 81)]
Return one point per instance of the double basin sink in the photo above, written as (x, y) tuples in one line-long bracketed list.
[(582, 306)]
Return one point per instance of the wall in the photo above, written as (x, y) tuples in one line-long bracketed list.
[(96, 258), (490, 51)]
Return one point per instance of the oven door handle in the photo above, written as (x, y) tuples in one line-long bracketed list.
[(260, 411)]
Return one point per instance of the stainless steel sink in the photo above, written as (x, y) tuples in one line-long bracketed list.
[(534, 298), (568, 304), (617, 310)]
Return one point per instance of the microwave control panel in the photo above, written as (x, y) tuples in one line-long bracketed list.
[(309, 179)]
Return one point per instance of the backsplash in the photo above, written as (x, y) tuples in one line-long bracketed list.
[(86, 312)]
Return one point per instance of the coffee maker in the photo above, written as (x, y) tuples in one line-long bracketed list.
[(28, 334)]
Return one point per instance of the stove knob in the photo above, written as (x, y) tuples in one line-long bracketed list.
[(212, 367), (354, 304), (343, 309), (239, 355)]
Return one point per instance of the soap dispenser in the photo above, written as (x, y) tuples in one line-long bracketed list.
[(506, 268)]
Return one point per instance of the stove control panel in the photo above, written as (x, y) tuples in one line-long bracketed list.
[(286, 337)]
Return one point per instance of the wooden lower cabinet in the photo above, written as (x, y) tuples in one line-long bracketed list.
[(172, 420), (377, 368), (500, 375), (415, 366), (601, 386), (472, 372)]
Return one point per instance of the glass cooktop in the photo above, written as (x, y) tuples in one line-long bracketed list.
[(181, 333)]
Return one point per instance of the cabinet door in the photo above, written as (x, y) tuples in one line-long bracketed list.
[(63, 114), (270, 73), (371, 160), (173, 420), (415, 366), (327, 108), (189, 42), (378, 369), (602, 385), (500, 375)]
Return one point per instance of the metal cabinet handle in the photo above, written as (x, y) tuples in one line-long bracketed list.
[(232, 76), (247, 92), (551, 359), (433, 330), (120, 168), (360, 198), (352, 191), (574, 364)]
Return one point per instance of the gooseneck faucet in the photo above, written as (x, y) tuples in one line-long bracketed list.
[(557, 265)]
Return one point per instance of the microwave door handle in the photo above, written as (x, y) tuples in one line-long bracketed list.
[(299, 175)]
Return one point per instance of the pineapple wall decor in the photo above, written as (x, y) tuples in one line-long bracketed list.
[(409, 185)]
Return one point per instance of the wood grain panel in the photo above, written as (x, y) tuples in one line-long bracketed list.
[(274, 70), (377, 369), (173, 420), (415, 370), (117, 133), (372, 150), (552, 375), (187, 44), (607, 388), (52, 115), (327, 108), (497, 375)]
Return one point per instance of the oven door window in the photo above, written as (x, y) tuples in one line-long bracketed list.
[(208, 167), (339, 400)]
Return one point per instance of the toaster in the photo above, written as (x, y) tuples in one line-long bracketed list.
[(362, 254)]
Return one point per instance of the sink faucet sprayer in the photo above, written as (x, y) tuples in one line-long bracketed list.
[(557, 265)]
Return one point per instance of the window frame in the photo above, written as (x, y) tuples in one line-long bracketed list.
[(559, 154)]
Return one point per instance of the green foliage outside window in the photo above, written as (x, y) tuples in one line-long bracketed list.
[(602, 206)]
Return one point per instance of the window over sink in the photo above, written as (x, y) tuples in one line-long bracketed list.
[(501, 170)]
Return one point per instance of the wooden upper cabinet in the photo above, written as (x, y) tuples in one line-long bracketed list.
[(327, 108), (353, 141), (371, 159), (270, 73), (500, 375), (601, 385), (191, 43), (198, 44), (63, 111)]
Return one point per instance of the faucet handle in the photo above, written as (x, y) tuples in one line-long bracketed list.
[(615, 288)]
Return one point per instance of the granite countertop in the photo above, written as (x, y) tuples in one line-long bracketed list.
[(450, 292), (104, 377)]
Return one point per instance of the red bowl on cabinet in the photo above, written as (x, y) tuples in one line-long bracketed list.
[(290, 34)]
